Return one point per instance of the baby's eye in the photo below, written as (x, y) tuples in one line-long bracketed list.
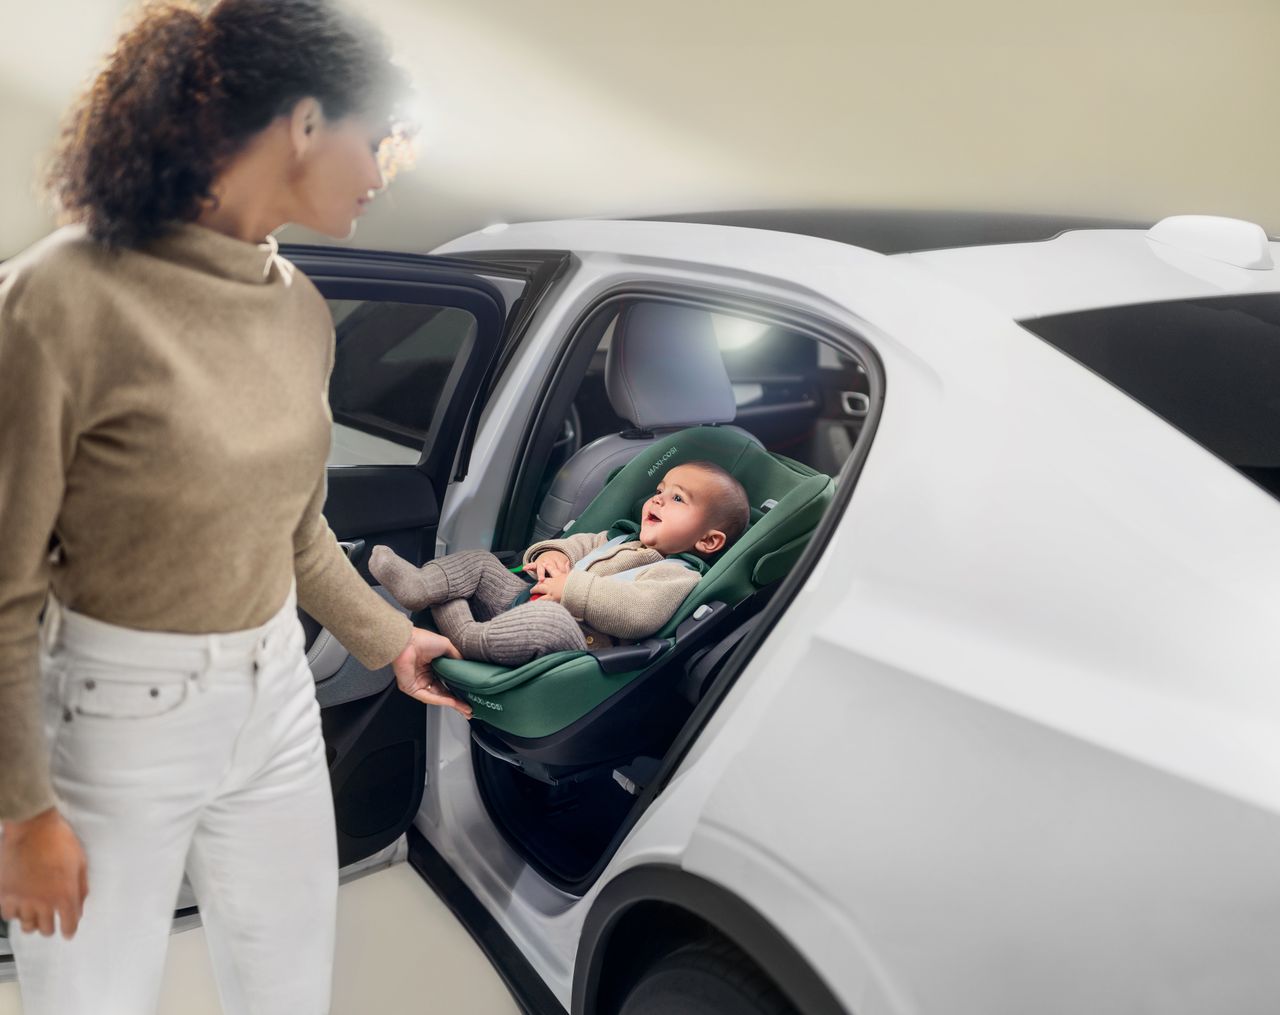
[(677, 498)]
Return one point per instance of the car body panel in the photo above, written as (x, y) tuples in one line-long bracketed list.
[(1015, 743), (1082, 270)]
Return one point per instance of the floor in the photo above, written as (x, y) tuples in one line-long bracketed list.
[(400, 952)]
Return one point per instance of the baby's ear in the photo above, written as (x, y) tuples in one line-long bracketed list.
[(712, 542)]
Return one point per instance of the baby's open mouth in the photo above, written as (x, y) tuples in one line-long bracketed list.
[(651, 517)]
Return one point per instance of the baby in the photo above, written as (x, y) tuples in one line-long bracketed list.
[(592, 590)]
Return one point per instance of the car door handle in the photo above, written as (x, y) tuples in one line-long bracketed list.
[(855, 404)]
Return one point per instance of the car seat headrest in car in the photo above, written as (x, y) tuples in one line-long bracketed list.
[(664, 368)]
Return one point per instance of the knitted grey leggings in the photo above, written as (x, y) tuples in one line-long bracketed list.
[(478, 622)]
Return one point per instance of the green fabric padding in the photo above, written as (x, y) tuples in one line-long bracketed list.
[(491, 678), (729, 581), (538, 698), (774, 566), (520, 598), (547, 694)]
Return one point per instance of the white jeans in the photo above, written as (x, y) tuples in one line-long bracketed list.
[(203, 751)]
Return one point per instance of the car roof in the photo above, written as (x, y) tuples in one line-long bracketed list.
[(1081, 268), (1087, 269), (901, 230)]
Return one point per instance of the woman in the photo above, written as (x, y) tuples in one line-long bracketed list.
[(163, 426)]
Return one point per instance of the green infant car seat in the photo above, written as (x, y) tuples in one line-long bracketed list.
[(570, 711)]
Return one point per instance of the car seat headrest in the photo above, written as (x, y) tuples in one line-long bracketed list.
[(763, 475), (664, 368)]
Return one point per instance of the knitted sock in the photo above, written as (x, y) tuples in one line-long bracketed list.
[(471, 574), (414, 587), (511, 638)]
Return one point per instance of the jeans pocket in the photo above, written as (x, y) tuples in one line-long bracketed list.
[(88, 691), (51, 697)]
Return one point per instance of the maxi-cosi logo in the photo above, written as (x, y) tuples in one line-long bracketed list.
[(485, 702), (658, 464)]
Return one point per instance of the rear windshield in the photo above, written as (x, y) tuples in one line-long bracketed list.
[(1210, 367)]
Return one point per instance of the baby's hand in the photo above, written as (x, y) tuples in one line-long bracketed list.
[(549, 564), (552, 588)]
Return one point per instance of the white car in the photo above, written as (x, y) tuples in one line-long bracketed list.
[(1002, 733)]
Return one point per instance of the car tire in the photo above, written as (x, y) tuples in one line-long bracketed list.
[(705, 978)]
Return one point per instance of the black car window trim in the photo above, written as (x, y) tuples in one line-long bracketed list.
[(1051, 329), (461, 386)]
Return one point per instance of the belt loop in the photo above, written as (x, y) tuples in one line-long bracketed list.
[(210, 662), (52, 623), (260, 653)]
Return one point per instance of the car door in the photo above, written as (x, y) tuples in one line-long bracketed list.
[(417, 339)]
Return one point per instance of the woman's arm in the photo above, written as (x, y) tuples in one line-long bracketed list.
[(43, 871), (37, 439), (329, 587), (370, 628), (332, 591)]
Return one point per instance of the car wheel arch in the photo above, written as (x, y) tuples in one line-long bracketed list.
[(646, 912)]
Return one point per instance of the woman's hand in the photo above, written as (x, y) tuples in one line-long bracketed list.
[(552, 588), (42, 873), (550, 563), (412, 668)]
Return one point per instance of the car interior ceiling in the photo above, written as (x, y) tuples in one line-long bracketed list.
[(798, 397)]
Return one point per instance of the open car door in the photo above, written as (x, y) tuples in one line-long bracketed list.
[(417, 341)]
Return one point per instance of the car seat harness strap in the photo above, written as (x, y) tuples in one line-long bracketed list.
[(632, 573)]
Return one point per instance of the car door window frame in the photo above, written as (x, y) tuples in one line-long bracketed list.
[(581, 339), (479, 298)]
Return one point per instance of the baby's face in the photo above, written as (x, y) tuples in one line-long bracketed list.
[(674, 519)]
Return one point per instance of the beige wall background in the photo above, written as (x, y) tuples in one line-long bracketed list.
[(549, 108)]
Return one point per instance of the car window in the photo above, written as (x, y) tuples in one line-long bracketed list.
[(797, 396), (391, 364), (1209, 367)]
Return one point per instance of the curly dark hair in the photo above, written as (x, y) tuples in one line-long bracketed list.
[(186, 88)]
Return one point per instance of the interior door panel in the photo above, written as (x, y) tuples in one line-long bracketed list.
[(417, 344), (392, 504), (376, 749), (385, 375)]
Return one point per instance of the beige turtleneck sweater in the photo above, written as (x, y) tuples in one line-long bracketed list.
[(163, 414)]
